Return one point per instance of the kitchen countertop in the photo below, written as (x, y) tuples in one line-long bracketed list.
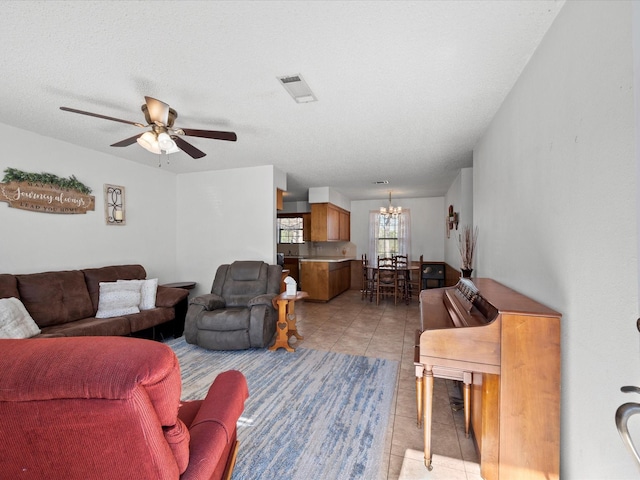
[(326, 259)]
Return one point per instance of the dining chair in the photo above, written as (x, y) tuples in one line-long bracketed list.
[(367, 282), (402, 272), (415, 279), (386, 279)]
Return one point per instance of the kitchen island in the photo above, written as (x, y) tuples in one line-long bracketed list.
[(325, 277)]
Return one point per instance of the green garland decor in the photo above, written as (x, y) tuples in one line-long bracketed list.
[(71, 183)]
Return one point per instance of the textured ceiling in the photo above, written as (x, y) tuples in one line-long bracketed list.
[(404, 89)]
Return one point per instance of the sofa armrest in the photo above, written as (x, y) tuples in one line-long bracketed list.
[(209, 301), (265, 299), (170, 297), (214, 424)]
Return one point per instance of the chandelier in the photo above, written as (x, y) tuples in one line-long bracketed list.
[(390, 211)]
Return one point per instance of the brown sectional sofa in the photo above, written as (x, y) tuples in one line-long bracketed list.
[(64, 303)]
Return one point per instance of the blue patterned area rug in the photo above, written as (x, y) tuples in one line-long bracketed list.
[(310, 414)]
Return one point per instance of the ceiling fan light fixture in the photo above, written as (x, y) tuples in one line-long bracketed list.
[(166, 143), (157, 143), (149, 142)]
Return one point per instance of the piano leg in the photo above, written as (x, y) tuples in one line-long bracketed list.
[(419, 390), (419, 376), (427, 413), (466, 397)]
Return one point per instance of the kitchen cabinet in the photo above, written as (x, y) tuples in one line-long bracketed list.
[(345, 225), (339, 278), (291, 264), (325, 280), (329, 223), (306, 227)]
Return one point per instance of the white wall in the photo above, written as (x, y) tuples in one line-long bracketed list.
[(36, 242), (329, 195), (224, 216), (178, 228), (460, 195), (295, 207), (635, 21), (555, 202), (427, 225)]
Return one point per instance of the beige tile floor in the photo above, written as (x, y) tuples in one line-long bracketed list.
[(350, 325)]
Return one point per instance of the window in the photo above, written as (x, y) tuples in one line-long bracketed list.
[(290, 230), (389, 235)]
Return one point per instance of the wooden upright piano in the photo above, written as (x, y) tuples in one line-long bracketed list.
[(505, 347)]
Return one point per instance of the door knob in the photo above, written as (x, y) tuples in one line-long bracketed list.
[(623, 413)]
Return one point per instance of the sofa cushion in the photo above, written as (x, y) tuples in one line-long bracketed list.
[(148, 289), (150, 318), (15, 321), (55, 297), (93, 277), (8, 286), (117, 299), (90, 327)]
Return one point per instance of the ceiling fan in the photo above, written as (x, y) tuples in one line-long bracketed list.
[(162, 138)]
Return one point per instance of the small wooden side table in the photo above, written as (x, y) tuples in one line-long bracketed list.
[(286, 326)]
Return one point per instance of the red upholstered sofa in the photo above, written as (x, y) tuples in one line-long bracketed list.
[(109, 408), (65, 303)]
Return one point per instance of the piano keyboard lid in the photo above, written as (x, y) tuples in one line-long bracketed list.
[(469, 296)]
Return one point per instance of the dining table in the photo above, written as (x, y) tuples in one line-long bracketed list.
[(405, 271)]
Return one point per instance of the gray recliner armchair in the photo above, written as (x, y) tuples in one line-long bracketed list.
[(238, 313)]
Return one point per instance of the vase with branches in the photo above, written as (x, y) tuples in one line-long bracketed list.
[(467, 247)]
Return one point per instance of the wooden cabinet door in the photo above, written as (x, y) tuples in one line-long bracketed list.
[(291, 264), (315, 279), (345, 277), (329, 223), (319, 222), (333, 223), (345, 226), (339, 278), (306, 227)]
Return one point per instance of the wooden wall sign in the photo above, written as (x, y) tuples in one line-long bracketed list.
[(45, 192), (45, 198)]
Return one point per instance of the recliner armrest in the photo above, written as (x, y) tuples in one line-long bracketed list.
[(210, 301), (264, 299), (214, 424)]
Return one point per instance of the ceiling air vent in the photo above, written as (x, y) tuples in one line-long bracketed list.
[(297, 88)]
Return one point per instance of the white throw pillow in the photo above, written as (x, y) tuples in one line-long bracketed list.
[(118, 299), (15, 321), (148, 289)]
